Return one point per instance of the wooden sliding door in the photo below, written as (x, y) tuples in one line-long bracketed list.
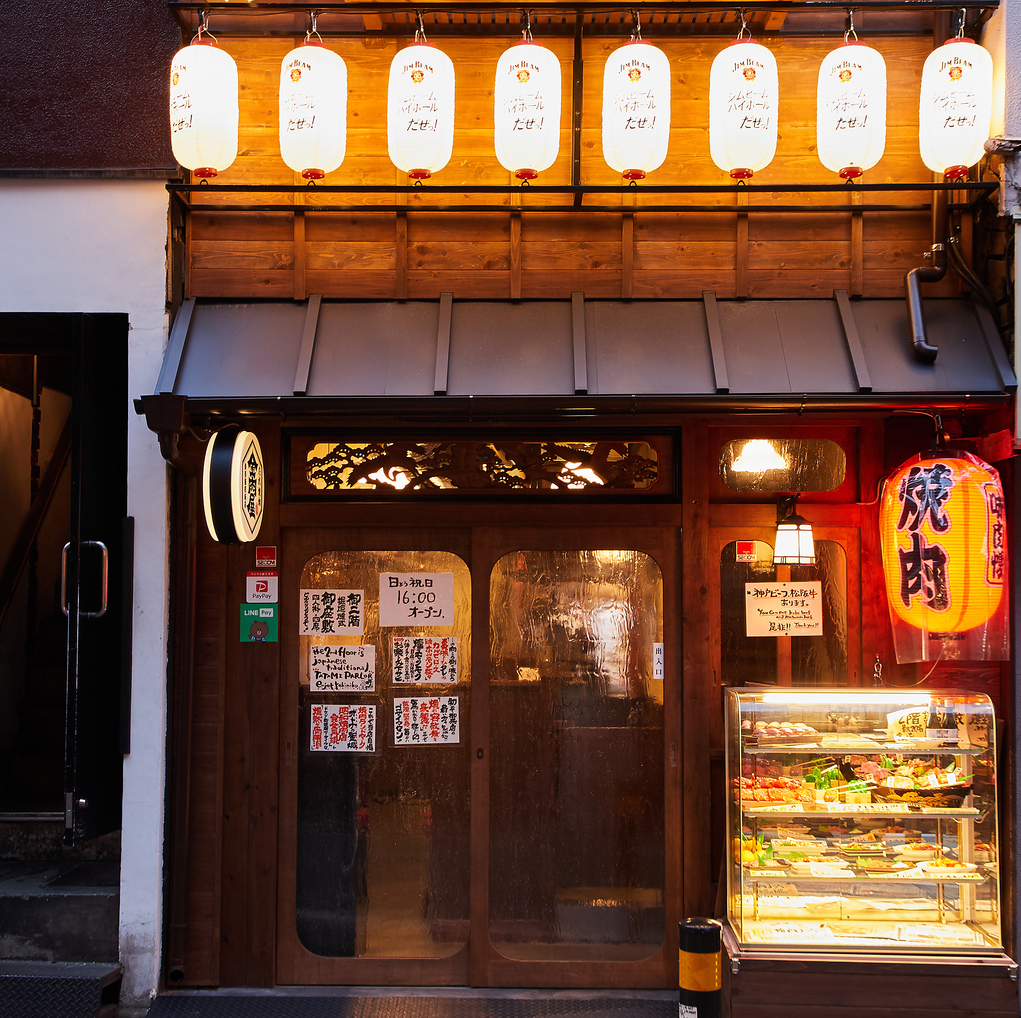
[(480, 779)]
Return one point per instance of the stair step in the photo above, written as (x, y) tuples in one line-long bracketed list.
[(35, 989)]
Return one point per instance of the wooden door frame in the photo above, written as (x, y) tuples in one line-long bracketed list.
[(401, 526)]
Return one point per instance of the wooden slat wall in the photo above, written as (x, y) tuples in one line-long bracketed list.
[(670, 255)]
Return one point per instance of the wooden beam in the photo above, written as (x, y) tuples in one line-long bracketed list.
[(443, 344)]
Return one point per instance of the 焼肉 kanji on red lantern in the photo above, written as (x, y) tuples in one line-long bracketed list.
[(943, 533)]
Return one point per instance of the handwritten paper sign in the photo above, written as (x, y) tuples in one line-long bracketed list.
[(426, 721), (424, 659), (343, 728), (416, 599), (331, 612), (783, 609), (342, 669)]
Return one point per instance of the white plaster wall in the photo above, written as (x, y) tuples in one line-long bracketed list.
[(100, 246)]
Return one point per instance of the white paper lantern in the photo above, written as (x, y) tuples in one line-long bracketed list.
[(526, 109), (955, 106), (313, 110), (851, 109), (744, 94), (204, 108), (420, 110), (636, 109)]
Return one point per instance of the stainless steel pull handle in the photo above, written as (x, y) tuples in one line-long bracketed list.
[(106, 579)]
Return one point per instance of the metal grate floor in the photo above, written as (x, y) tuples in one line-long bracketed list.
[(595, 1005)]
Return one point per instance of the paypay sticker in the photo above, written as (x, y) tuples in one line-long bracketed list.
[(261, 586)]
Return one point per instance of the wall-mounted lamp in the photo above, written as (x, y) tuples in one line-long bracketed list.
[(794, 545)]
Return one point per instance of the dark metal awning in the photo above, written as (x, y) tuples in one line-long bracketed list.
[(452, 359)]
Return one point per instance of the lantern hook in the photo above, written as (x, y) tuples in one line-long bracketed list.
[(313, 26), (960, 24), (744, 30), (850, 33), (420, 30), (526, 26), (203, 26), (636, 26), (877, 672)]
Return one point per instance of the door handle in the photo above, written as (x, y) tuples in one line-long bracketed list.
[(106, 579)]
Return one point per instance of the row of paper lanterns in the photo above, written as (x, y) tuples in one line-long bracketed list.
[(954, 108)]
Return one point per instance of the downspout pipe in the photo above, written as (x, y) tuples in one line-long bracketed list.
[(931, 273)]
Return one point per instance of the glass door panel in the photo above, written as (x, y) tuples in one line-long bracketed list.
[(383, 809), (576, 756)]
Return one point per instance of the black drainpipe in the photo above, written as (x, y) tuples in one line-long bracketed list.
[(933, 273)]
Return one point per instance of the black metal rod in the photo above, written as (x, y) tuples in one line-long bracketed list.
[(985, 187), (561, 209), (590, 7)]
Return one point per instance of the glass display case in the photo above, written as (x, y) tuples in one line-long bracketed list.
[(862, 819)]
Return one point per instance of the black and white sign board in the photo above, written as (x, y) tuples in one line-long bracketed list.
[(233, 486)]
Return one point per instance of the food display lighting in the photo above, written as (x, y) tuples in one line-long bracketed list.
[(636, 107), (313, 107), (744, 94), (851, 108), (204, 108), (420, 108), (526, 108), (955, 106)]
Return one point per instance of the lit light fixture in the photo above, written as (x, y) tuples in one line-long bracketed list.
[(744, 93), (636, 107), (851, 107), (420, 108), (955, 105), (204, 109), (526, 107), (313, 107), (756, 457), (794, 545)]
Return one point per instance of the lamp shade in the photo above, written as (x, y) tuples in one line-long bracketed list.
[(420, 110), (851, 109), (526, 109), (744, 94), (636, 109), (942, 530), (313, 110), (795, 544), (204, 108), (955, 106)]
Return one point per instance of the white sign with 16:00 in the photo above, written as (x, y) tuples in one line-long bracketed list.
[(416, 599)]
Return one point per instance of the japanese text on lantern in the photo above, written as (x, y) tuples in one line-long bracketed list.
[(923, 566)]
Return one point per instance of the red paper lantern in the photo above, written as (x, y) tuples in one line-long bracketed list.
[(943, 532)]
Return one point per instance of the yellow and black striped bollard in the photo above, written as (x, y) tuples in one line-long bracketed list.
[(698, 973)]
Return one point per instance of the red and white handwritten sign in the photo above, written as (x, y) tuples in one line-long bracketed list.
[(426, 721), (424, 659), (343, 728)]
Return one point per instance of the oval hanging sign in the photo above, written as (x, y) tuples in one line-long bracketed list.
[(233, 486)]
